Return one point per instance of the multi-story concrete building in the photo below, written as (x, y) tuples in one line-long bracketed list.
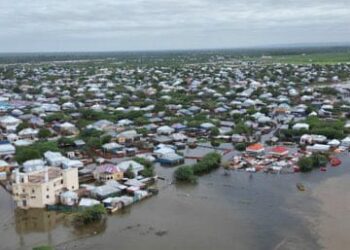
[(43, 187)]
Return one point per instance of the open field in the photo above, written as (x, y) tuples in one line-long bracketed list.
[(304, 58)]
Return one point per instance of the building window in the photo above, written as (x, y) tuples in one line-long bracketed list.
[(61, 181), (47, 196), (33, 191), (72, 187), (47, 189)]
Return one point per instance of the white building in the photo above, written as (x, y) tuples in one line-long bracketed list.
[(43, 187)]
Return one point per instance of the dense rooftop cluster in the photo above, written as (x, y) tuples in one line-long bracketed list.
[(72, 114)]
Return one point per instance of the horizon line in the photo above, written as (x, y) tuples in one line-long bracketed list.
[(259, 47)]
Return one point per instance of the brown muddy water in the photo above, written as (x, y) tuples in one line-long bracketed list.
[(239, 211)]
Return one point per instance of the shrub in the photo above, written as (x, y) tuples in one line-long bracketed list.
[(214, 131), (305, 164), (90, 214), (129, 173), (316, 160), (25, 154), (215, 143), (148, 167), (209, 162), (44, 133), (94, 142), (43, 248), (206, 164), (185, 174), (65, 141), (319, 160), (240, 146)]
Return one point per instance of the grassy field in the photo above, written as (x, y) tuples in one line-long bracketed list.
[(317, 58)]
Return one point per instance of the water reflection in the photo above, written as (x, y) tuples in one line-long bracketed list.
[(36, 220), (92, 229)]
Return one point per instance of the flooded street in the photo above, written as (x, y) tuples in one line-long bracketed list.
[(239, 211)]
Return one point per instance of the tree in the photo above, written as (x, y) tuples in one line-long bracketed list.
[(215, 143), (214, 131), (106, 139), (65, 141), (59, 116), (241, 128), (44, 133), (90, 214), (140, 121), (209, 162), (26, 153), (142, 131), (21, 126), (44, 146), (148, 170), (240, 146), (185, 174), (94, 142), (129, 173), (305, 164), (319, 160)]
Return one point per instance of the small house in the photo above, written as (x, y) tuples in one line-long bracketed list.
[(279, 151), (255, 149), (108, 172)]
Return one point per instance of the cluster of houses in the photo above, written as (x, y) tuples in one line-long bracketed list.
[(100, 118), (43, 183)]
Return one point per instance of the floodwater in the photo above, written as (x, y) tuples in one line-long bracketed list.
[(239, 211)]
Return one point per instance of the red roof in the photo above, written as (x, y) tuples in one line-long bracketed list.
[(255, 147), (279, 150)]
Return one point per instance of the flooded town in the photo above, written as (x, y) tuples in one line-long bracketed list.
[(97, 152)]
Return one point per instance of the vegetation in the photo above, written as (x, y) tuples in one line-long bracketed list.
[(332, 129), (59, 116), (89, 215), (241, 146), (35, 151), (214, 131), (185, 174), (21, 126), (241, 128), (315, 58), (44, 133), (328, 91), (129, 173), (148, 167), (24, 154), (43, 248), (306, 164), (208, 163), (215, 143), (65, 141)]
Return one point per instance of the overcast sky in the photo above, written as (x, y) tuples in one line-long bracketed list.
[(118, 25)]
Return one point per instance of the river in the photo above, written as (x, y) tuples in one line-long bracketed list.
[(239, 211)]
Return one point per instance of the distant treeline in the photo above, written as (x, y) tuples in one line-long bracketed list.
[(146, 57)]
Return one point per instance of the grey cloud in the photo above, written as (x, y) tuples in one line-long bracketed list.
[(168, 24)]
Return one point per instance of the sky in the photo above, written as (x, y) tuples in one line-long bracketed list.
[(128, 25)]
